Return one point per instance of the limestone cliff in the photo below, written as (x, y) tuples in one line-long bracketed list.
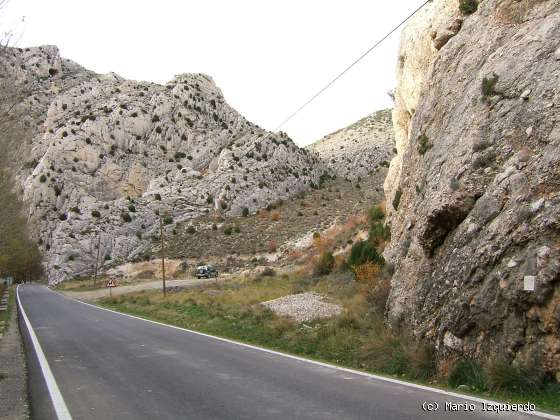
[(360, 149), (474, 192), (108, 157)]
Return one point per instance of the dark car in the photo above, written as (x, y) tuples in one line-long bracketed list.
[(206, 271)]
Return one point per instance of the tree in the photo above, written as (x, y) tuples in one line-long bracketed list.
[(19, 256)]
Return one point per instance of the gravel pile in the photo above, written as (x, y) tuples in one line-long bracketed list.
[(303, 307)]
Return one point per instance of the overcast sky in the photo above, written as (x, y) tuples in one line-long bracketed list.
[(267, 57)]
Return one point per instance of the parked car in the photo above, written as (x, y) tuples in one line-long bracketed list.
[(206, 271)]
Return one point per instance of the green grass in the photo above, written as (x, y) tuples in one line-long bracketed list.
[(357, 338)]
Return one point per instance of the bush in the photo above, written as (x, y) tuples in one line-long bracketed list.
[(423, 144), (379, 233), (43, 178), (467, 372), (324, 265), (268, 272), (468, 7), (214, 226), (374, 285), (167, 220), (386, 354), (126, 217), (375, 214), (505, 377), (158, 197), (191, 229), (209, 199), (245, 212), (489, 85), (397, 199), (95, 214), (228, 230), (275, 216), (131, 208), (363, 252)]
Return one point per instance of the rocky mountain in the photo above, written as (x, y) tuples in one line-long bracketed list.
[(104, 159), (357, 150), (474, 192)]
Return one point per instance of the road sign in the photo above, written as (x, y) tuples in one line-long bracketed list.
[(111, 283)]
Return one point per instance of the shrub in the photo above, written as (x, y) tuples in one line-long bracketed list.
[(467, 372), (191, 229), (126, 217), (375, 214), (274, 216), (489, 85), (324, 264), (209, 199), (228, 230), (236, 229), (95, 214), (386, 353), (131, 208), (468, 7), (62, 217), (423, 144), (379, 233), (454, 184), (75, 210), (374, 285), (214, 226), (397, 199), (505, 377), (363, 252), (268, 272), (245, 212), (158, 197), (167, 219), (43, 178)]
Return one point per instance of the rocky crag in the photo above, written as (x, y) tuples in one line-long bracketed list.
[(356, 151), (104, 159), (474, 191)]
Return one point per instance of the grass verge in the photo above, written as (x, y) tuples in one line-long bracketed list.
[(356, 339)]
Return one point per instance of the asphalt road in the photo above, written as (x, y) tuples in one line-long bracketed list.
[(111, 366)]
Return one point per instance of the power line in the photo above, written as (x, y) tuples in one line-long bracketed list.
[(360, 58)]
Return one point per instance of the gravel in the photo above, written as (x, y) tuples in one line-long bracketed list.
[(303, 307)]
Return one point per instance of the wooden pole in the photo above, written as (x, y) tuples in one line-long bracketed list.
[(97, 259), (162, 253)]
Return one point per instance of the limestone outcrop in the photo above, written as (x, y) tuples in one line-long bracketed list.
[(360, 149), (107, 157), (473, 193)]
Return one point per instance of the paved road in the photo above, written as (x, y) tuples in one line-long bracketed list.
[(110, 366)]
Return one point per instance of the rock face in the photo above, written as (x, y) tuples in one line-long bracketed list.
[(110, 156), (475, 185), (359, 149)]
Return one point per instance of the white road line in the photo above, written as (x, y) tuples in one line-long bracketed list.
[(56, 397), (328, 365)]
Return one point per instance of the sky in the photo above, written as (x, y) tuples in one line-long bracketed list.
[(268, 57)]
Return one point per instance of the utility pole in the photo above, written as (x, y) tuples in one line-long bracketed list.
[(162, 253), (97, 259)]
